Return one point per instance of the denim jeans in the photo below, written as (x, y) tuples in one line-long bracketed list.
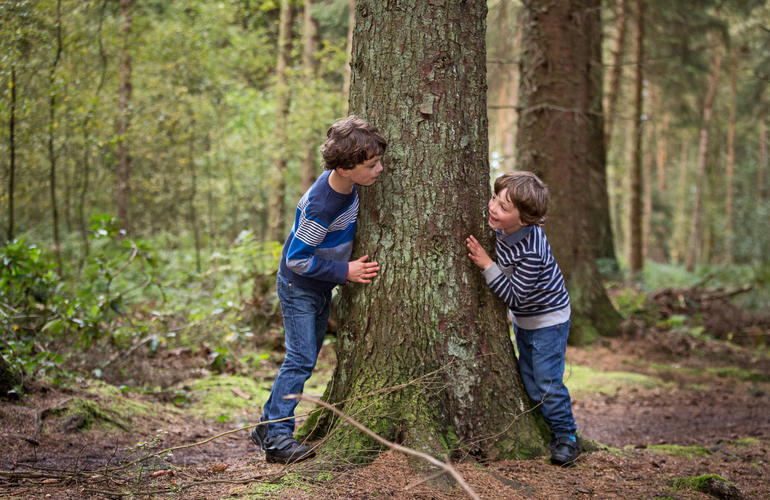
[(541, 362), (305, 314)]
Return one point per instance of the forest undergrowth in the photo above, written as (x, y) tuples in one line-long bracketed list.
[(141, 377)]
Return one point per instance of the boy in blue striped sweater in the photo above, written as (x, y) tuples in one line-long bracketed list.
[(528, 279), (315, 259)]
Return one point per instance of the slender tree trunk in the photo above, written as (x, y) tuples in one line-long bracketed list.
[(193, 214), (349, 51), (616, 73), (424, 354), (600, 230), (679, 249), (309, 169), (647, 160), (635, 243), (276, 226), (560, 134), (51, 149), (661, 150), (761, 189), (730, 170), (12, 153), (696, 232), (123, 188)]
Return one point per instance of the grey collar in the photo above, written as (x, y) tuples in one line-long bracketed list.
[(513, 238)]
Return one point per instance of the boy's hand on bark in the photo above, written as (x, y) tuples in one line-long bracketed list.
[(361, 271), (477, 253)]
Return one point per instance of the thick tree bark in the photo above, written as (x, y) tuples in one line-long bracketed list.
[(276, 221), (560, 135), (696, 230), (424, 353), (679, 248), (309, 168), (635, 240), (123, 188)]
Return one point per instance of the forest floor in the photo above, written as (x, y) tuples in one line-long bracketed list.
[(657, 408)]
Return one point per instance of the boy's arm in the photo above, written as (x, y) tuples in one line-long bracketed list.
[(516, 289), (301, 255), (510, 290)]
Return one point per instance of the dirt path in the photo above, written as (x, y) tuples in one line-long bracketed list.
[(669, 408)]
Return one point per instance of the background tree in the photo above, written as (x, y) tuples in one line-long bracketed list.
[(561, 139), (278, 184), (123, 177), (424, 356), (635, 240)]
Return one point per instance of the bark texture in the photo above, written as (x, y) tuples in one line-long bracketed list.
[(560, 138), (424, 353)]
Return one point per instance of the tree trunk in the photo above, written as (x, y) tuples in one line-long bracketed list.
[(613, 92), (349, 52), (696, 231), (276, 223), (123, 188), (559, 136), (8, 377), (12, 153), (309, 168), (600, 229), (51, 135), (679, 248), (635, 243), (193, 213), (730, 170), (424, 353), (761, 190)]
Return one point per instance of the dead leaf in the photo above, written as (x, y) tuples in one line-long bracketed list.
[(162, 472), (218, 468)]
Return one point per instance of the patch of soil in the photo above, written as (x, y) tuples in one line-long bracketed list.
[(40, 457)]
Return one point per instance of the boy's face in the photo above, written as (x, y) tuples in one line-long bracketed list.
[(503, 214), (366, 173)]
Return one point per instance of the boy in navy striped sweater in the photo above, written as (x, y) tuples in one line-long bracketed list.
[(528, 279), (315, 259)]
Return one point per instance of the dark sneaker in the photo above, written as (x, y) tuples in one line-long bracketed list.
[(284, 449), (259, 435), (564, 451)]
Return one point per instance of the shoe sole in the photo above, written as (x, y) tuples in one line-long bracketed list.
[(290, 460)]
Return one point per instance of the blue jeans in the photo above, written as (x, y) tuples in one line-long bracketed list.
[(305, 314), (541, 362)]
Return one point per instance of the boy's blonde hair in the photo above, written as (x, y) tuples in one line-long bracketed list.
[(527, 193), (351, 141)]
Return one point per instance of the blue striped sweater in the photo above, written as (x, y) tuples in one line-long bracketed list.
[(318, 249), (528, 279)]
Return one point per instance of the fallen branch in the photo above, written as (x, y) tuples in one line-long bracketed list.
[(393, 446)]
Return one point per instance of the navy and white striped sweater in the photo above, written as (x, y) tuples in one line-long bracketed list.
[(528, 279), (318, 249)]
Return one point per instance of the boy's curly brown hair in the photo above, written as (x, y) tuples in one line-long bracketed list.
[(351, 141), (527, 193)]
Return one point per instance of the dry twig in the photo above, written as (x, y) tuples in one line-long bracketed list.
[(393, 446)]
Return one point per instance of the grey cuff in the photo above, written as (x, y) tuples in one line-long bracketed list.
[(491, 273)]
